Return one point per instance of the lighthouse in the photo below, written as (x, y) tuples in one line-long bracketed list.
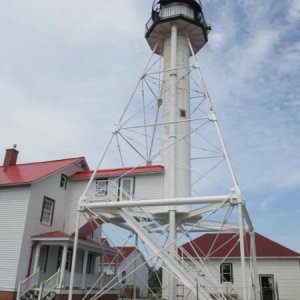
[(176, 29), (167, 112), (172, 28)]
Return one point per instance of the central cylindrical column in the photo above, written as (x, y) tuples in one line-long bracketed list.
[(172, 104), (172, 180), (176, 152), (176, 145)]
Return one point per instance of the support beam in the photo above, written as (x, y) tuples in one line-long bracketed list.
[(75, 245), (242, 249), (203, 210), (176, 269), (159, 202)]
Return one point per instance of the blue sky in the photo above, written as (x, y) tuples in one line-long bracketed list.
[(68, 67)]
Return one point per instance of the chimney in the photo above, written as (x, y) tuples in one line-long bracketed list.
[(11, 157)]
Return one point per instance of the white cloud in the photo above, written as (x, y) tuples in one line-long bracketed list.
[(294, 11), (290, 58)]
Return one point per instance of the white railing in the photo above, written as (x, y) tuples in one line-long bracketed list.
[(27, 284), (49, 285), (90, 280)]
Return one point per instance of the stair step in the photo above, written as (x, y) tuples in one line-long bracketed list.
[(33, 294), (50, 296)]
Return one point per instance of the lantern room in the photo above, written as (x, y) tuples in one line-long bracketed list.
[(186, 14)]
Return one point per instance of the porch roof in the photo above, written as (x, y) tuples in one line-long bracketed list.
[(60, 237)]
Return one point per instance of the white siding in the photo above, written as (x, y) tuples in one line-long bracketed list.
[(286, 274), (140, 276), (147, 187), (13, 213), (75, 190), (49, 187)]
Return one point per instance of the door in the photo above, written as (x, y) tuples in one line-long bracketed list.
[(267, 287)]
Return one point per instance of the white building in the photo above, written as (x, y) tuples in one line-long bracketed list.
[(133, 270), (37, 220), (278, 268)]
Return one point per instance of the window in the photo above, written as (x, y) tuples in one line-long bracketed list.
[(47, 211), (63, 181), (101, 187), (90, 264), (69, 257), (182, 113), (43, 258), (126, 188), (226, 272)]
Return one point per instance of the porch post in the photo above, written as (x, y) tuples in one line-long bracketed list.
[(83, 275), (36, 257), (63, 265)]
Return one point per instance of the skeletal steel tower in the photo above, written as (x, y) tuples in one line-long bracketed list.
[(175, 126)]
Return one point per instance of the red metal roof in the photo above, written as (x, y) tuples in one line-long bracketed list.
[(89, 227), (125, 252), (53, 234), (31, 172), (119, 172), (105, 242), (225, 244), (61, 234)]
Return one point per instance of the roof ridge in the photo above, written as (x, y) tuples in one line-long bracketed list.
[(31, 172), (125, 247), (123, 168), (118, 172), (47, 161)]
